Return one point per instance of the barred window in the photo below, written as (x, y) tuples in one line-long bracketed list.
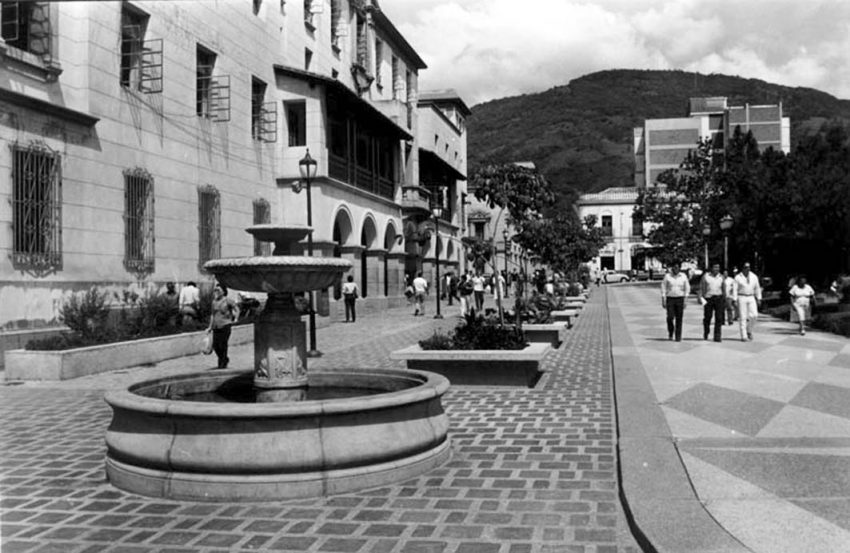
[(36, 208), (141, 60), (209, 224), (379, 59), (138, 221), (262, 216)]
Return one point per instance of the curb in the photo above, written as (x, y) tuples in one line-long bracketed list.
[(660, 503)]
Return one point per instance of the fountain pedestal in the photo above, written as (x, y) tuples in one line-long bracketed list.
[(280, 350)]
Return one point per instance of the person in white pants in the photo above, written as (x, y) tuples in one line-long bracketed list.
[(748, 297)]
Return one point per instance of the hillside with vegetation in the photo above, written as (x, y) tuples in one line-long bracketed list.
[(580, 135)]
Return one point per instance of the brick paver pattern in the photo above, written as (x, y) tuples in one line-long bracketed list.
[(532, 470)]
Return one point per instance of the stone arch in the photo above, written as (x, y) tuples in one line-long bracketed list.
[(369, 232), (343, 227), (390, 233)]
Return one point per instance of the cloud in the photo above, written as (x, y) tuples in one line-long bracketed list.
[(494, 48)]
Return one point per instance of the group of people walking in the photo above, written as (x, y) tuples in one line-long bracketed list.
[(468, 289), (726, 298)]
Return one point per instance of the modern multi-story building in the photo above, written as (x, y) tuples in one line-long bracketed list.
[(142, 138), (663, 144)]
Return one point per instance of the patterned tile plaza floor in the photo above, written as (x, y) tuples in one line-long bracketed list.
[(531, 470), (763, 427)]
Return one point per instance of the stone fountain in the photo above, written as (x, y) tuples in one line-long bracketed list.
[(277, 432)]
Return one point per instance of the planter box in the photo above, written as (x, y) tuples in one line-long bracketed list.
[(485, 367), (581, 299), (565, 316), (552, 334), (72, 363)]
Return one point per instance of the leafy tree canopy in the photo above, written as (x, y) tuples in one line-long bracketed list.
[(563, 242), (522, 191)]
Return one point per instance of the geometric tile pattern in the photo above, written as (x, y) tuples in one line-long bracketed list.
[(742, 412), (781, 386), (532, 470)]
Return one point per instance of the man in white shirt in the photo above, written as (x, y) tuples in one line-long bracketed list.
[(729, 292), (188, 302), (420, 288), (478, 291), (712, 297), (748, 296), (675, 288)]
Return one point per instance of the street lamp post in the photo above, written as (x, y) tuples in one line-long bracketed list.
[(725, 225), (706, 232), (437, 211), (308, 166)]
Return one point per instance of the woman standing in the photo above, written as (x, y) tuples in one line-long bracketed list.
[(802, 300), (224, 313)]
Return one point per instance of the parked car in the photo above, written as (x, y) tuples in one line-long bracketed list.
[(642, 275), (609, 275)]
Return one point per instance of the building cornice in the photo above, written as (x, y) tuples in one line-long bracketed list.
[(47, 108)]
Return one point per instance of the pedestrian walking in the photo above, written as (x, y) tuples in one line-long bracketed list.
[(748, 297), (453, 283), (350, 293), (223, 314), (729, 297), (675, 288), (466, 290), (478, 291), (802, 302), (189, 300), (713, 298), (499, 286), (420, 289)]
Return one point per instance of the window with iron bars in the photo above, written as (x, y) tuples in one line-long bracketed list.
[(212, 91), (263, 114), (209, 224), (36, 207), (26, 26), (141, 60), (138, 221), (262, 216)]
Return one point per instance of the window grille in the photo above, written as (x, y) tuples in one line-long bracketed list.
[(263, 114), (362, 44), (141, 60), (262, 216), (36, 208), (209, 224), (398, 82), (213, 91), (338, 25), (138, 221)]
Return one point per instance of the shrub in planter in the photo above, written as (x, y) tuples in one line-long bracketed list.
[(477, 332), (86, 312)]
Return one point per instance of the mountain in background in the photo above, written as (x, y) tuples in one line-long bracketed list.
[(580, 135)]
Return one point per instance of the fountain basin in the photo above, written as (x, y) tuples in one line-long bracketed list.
[(278, 274), (190, 450)]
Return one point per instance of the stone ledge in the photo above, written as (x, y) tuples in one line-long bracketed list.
[(479, 367), (552, 334), (23, 364)]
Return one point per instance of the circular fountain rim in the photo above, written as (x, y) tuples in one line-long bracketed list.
[(429, 385), (293, 262)]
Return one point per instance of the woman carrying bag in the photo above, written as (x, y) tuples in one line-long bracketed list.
[(224, 313)]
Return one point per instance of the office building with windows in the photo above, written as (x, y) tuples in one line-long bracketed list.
[(142, 138)]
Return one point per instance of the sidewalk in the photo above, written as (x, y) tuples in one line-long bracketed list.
[(532, 471), (732, 446)]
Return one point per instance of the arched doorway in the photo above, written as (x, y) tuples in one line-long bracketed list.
[(368, 237), (389, 245), (341, 235)]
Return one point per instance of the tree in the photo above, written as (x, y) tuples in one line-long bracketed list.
[(522, 191), (563, 242), (677, 210), (479, 251)]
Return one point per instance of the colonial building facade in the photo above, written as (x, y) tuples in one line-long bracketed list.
[(142, 138)]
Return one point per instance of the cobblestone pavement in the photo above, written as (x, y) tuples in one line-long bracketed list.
[(532, 471)]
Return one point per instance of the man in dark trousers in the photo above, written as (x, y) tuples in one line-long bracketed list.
[(675, 288), (713, 299)]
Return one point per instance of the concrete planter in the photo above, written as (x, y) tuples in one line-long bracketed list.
[(72, 363), (565, 316), (552, 334), (486, 367)]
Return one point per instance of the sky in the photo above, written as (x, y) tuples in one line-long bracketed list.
[(488, 49)]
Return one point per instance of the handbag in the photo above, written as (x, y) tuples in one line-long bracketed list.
[(207, 344)]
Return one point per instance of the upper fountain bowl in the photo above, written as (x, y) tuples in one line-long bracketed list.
[(278, 274)]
